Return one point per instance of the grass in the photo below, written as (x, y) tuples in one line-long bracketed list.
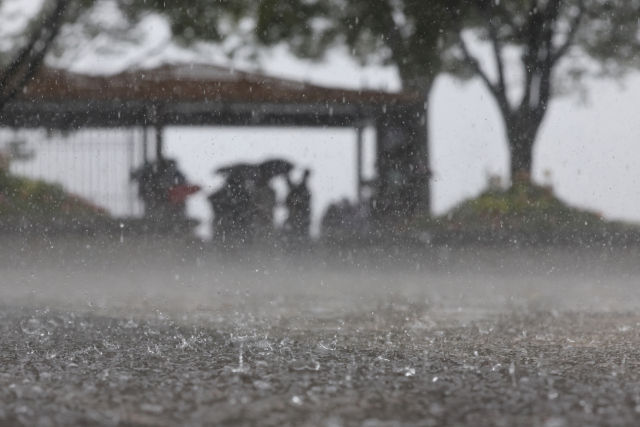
[(525, 207), (23, 197)]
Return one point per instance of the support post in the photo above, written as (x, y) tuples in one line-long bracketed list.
[(159, 142), (359, 142), (402, 163), (145, 144), (379, 185), (132, 161), (423, 171)]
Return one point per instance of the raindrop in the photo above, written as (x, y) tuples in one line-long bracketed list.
[(301, 365)]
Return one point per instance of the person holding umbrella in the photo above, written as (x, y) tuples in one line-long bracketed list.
[(243, 207), (298, 204), (264, 197)]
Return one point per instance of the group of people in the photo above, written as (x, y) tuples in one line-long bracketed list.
[(344, 220), (163, 190), (243, 208)]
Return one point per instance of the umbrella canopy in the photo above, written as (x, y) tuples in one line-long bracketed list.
[(241, 168), (240, 173), (275, 167), (265, 170)]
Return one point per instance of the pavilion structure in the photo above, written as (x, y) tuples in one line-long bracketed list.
[(206, 95)]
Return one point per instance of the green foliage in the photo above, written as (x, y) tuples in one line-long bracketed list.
[(610, 34), (416, 35), (605, 30), (525, 207), (409, 33), (294, 21), (190, 20), (21, 197)]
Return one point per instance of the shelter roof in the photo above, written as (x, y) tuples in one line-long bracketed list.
[(196, 83)]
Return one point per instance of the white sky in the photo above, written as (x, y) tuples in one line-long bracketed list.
[(588, 151)]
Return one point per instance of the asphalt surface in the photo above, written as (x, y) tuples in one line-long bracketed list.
[(162, 334)]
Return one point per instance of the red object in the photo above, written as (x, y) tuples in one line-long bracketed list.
[(178, 193)]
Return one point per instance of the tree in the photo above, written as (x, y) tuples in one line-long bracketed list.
[(410, 34), (545, 32)]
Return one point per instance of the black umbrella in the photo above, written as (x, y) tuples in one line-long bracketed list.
[(272, 168), (241, 168), (240, 172)]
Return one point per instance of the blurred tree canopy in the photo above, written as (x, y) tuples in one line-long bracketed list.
[(426, 37), (542, 33), (408, 33), (412, 34)]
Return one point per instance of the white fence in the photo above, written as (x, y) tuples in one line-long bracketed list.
[(91, 163)]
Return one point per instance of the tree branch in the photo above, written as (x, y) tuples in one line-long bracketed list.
[(19, 60), (562, 50), (509, 20), (495, 90), (32, 55), (393, 37), (497, 50)]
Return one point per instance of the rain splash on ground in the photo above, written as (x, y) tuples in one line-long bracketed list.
[(143, 334)]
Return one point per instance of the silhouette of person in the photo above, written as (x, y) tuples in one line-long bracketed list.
[(264, 203), (232, 208), (163, 189), (298, 203)]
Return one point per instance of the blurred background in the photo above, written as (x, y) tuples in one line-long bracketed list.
[(585, 142)]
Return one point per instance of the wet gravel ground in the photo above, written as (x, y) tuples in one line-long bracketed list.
[(461, 341), (533, 369)]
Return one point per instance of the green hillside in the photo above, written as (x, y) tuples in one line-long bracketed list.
[(22, 197), (524, 207)]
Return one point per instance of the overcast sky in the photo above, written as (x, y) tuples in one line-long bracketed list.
[(587, 150)]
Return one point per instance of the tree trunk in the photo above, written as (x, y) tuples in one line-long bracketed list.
[(421, 136), (403, 162), (417, 122), (522, 128)]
